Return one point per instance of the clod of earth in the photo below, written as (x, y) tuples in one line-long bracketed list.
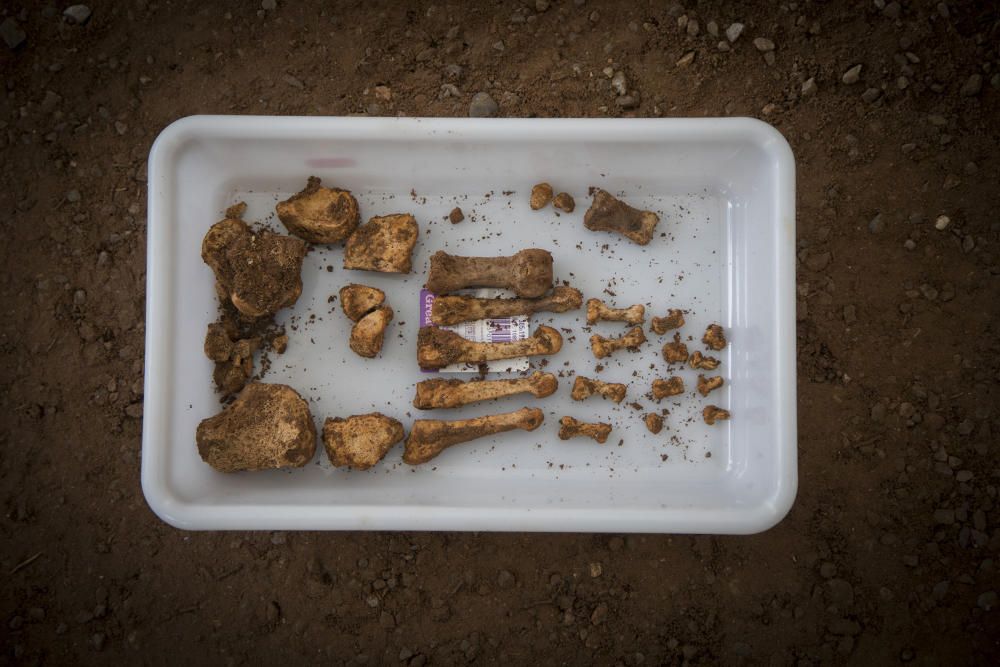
[(430, 437), (608, 214), (605, 347), (318, 214), (259, 273), (527, 273), (584, 388), (360, 441), (267, 426), (384, 243), (598, 311), (571, 428), (455, 309), (437, 348), (441, 393), (233, 356)]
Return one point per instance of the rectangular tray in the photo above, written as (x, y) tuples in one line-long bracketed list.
[(724, 251)]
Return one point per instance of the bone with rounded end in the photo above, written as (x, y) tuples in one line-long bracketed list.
[(528, 273), (706, 385), (360, 441), (605, 347), (541, 195), (430, 437), (437, 348), (318, 214), (666, 388), (703, 362), (441, 393), (571, 428), (654, 422), (359, 300), (368, 333), (598, 311), (584, 388), (673, 320), (713, 413), (608, 214), (675, 352), (455, 309)]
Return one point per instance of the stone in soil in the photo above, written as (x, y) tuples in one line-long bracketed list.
[(483, 106), (852, 76), (11, 33), (734, 31), (972, 86), (809, 87), (763, 44), (78, 14)]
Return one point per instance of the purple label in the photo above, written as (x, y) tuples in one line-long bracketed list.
[(426, 303)]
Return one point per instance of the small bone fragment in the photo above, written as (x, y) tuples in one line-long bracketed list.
[(280, 343), (440, 393), (454, 309), (360, 441), (654, 422), (584, 388), (368, 333), (605, 347), (541, 195), (666, 388), (714, 338), (673, 320), (359, 300), (233, 356), (437, 348), (267, 426), (564, 202), (713, 413), (703, 362), (608, 214), (571, 428), (318, 214), (456, 216), (430, 437), (528, 273), (259, 273), (384, 243), (598, 311), (675, 352), (707, 385)]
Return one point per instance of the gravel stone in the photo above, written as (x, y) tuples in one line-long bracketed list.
[(763, 44), (11, 33), (987, 601), (876, 225), (809, 87), (734, 31), (972, 86), (619, 84), (483, 106), (852, 76), (942, 222), (78, 14), (871, 94), (505, 580)]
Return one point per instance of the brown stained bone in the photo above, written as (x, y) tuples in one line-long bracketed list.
[(384, 243), (368, 333), (541, 195), (608, 214), (673, 386), (675, 352), (441, 393), (598, 311), (267, 426), (455, 309), (528, 273), (359, 300), (713, 413), (456, 216), (673, 320), (707, 385), (564, 202), (654, 422), (430, 437), (437, 348), (360, 441), (705, 363), (584, 388), (233, 356), (571, 428), (714, 338), (318, 214), (605, 347), (258, 273)]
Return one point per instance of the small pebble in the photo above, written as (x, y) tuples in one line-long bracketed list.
[(78, 14), (618, 83), (12, 34), (73, 196), (505, 580), (734, 31), (987, 601), (456, 216), (483, 106), (809, 87), (596, 570), (972, 86), (942, 222), (875, 225), (852, 75), (871, 94), (763, 44), (268, 5)]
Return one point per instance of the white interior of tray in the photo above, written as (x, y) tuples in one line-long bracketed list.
[(717, 260)]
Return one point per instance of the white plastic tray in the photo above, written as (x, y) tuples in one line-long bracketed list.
[(724, 189)]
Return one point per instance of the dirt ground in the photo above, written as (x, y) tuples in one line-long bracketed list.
[(889, 552)]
